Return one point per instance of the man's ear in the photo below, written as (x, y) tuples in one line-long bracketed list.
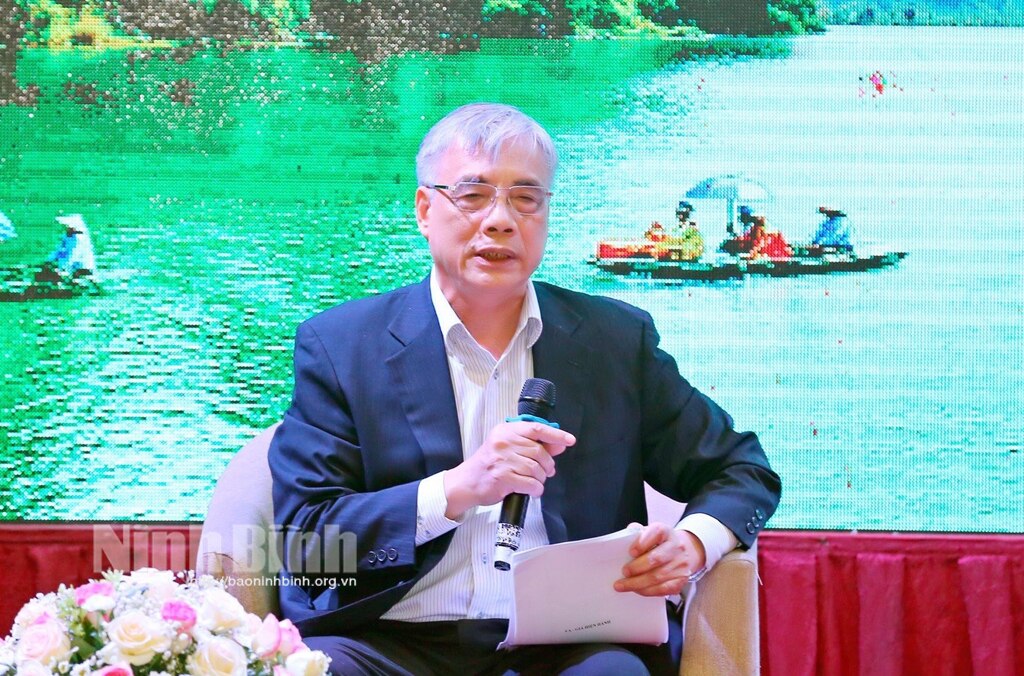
[(422, 209)]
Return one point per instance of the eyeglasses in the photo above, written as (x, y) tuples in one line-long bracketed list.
[(472, 198)]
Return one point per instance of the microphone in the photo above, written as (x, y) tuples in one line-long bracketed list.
[(536, 403)]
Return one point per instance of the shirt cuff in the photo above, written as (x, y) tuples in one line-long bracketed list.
[(431, 504), (716, 538)]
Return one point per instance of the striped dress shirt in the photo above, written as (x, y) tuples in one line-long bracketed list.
[(465, 584)]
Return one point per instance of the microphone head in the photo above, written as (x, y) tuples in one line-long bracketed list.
[(537, 398)]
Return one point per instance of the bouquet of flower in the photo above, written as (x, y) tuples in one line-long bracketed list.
[(149, 623)]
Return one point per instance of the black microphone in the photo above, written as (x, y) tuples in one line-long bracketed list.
[(536, 404)]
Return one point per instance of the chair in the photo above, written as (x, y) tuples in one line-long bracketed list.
[(240, 517), (721, 621)]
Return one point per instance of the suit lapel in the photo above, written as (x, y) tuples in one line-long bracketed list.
[(419, 370), (560, 357)]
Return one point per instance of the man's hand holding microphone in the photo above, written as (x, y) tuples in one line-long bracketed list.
[(511, 466), (517, 457)]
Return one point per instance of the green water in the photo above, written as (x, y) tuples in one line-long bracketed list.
[(886, 400), (284, 187)]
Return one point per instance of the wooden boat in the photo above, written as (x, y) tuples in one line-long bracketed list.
[(14, 288), (653, 268), (822, 264), (635, 259)]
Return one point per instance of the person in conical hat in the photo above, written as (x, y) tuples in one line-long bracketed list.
[(834, 231), (687, 238), (6, 228), (74, 254)]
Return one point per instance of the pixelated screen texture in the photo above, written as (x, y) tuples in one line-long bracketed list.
[(232, 193)]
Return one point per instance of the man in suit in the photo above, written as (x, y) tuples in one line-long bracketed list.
[(397, 434)]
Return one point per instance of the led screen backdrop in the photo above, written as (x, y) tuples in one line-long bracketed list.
[(241, 167)]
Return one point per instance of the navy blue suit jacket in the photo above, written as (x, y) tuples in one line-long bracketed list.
[(373, 413)]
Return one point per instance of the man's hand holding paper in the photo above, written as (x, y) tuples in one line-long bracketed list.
[(663, 560), (564, 593)]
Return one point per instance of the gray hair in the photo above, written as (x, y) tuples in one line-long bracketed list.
[(482, 128)]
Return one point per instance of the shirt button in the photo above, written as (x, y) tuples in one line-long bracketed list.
[(483, 558)]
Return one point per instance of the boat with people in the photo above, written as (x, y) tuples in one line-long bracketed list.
[(729, 266), (69, 272), (19, 284), (755, 249)]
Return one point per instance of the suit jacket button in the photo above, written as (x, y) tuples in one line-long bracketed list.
[(751, 528), (372, 557), (382, 555), (392, 554), (759, 513)]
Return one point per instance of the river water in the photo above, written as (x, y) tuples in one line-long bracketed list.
[(886, 400)]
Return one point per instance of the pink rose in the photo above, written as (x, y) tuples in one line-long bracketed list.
[(276, 638), (291, 640), (43, 641), (267, 638), (43, 618), (180, 612), (31, 612), (103, 593), (119, 669)]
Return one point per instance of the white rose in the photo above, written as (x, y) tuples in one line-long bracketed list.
[(33, 668), (160, 584), (220, 656), (138, 637), (98, 603), (306, 663), (45, 641), (245, 633), (220, 611)]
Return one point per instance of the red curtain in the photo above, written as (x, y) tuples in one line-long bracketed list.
[(831, 603), (886, 604), (38, 558)]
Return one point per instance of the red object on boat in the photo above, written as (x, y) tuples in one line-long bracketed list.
[(620, 249)]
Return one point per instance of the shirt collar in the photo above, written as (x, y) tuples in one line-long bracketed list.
[(529, 317)]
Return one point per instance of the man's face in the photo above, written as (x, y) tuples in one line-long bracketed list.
[(491, 253)]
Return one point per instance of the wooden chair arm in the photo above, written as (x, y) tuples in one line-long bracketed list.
[(722, 632)]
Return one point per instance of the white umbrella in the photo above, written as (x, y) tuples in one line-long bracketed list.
[(6, 228), (732, 188)]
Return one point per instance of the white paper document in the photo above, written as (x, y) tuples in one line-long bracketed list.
[(563, 593)]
